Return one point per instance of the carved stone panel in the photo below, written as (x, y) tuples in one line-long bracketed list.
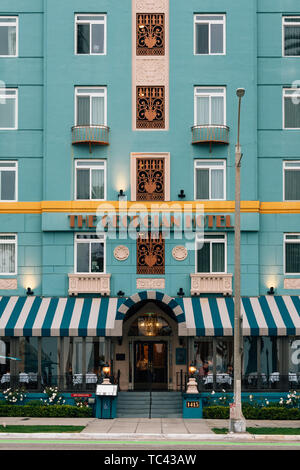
[(151, 71), (144, 283), (151, 5), (8, 284), (290, 283)]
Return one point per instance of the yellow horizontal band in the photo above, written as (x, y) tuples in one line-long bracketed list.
[(42, 207)]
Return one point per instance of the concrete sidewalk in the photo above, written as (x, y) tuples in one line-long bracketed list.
[(144, 428)]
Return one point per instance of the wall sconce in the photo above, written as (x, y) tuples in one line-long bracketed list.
[(121, 193), (180, 293), (120, 293), (271, 291), (29, 291), (181, 195)]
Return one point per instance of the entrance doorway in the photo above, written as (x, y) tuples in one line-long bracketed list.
[(150, 365)]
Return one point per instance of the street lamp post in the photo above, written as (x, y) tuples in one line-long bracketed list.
[(237, 423)]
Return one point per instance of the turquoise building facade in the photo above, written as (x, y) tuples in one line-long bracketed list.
[(57, 65)]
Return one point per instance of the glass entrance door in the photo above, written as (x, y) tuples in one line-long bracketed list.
[(150, 365)]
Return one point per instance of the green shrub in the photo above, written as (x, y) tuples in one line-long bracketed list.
[(53, 411), (253, 412)]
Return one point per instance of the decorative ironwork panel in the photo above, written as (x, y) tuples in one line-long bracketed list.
[(150, 253), (150, 113), (150, 30), (150, 179)]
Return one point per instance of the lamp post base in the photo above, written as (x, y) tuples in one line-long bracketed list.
[(237, 422)]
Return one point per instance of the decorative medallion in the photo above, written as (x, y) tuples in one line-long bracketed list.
[(121, 252), (150, 34), (179, 253), (150, 113)]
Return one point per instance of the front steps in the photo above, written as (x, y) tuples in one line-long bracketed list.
[(149, 405)]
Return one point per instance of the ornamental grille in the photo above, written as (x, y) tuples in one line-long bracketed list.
[(150, 30), (150, 253), (150, 178), (150, 113)]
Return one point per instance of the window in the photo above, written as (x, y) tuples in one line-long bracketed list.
[(291, 182), (90, 34), (8, 181), (292, 253), (291, 35), (209, 106), (8, 36), (210, 179), (211, 253), (150, 177), (150, 29), (89, 253), (150, 253), (90, 179), (209, 34), (8, 108), (8, 253), (291, 108), (150, 110), (90, 106)]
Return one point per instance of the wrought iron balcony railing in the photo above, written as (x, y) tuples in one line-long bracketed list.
[(91, 135), (210, 134)]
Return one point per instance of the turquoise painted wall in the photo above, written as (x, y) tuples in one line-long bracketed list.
[(46, 73)]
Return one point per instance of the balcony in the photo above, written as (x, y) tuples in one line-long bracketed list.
[(91, 135), (210, 134), (94, 283), (202, 283)]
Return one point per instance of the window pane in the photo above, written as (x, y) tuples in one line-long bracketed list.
[(83, 257), (269, 355), (292, 40), (8, 113), (218, 257), (202, 182), (292, 185), (217, 110), (30, 346), (83, 184), (7, 258), (98, 110), (83, 111), (294, 355), (97, 184), (250, 354), (292, 114), (216, 39), (83, 39), (217, 184), (97, 255), (201, 38), (49, 361), (7, 40), (202, 110), (7, 185), (203, 357), (292, 257), (203, 259), (98, 38), (224, 356)]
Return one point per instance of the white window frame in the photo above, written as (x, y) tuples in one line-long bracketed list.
[(96, 93), (285, 162), (297, 23), (209, 95), (100, 21), (209, 22), (15, 169), (88, 166), (11, 242), (17, 34), (4, 96), (102, 239), (209, 165), (297, 97), (200, 238), (285, 241)]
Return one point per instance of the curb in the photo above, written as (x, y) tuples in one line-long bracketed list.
[(156, 437)]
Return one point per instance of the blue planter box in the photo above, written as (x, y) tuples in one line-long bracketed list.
[(192, 406)]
